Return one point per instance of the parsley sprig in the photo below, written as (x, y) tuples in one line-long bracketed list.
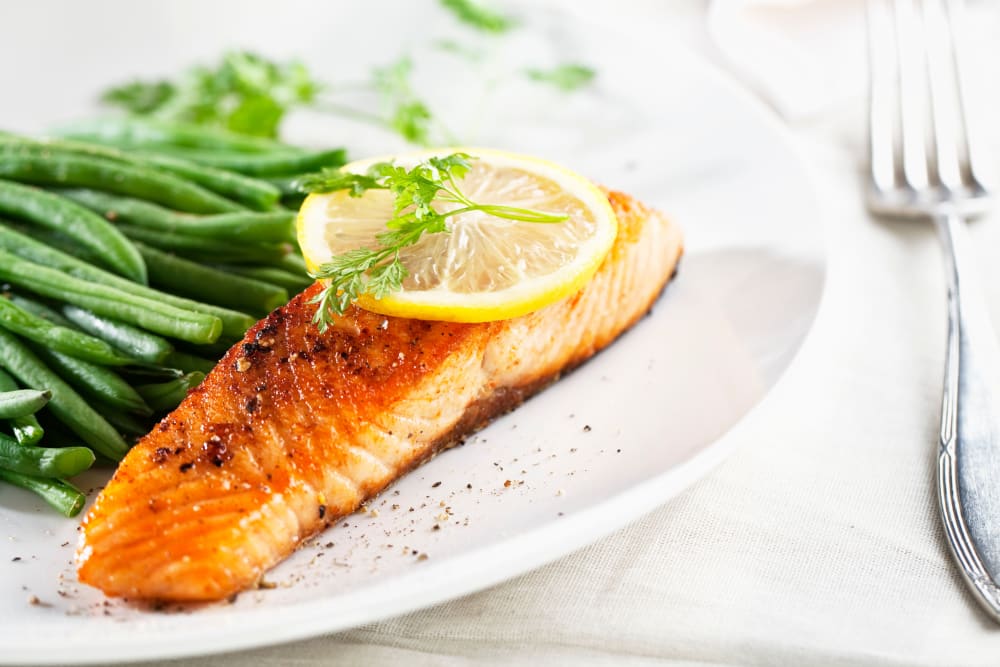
[(244, 92), (567, 77), (247, 93), (408, 115), (378, 271), (477, 16)]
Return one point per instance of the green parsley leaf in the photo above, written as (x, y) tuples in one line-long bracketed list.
[(139, 97), (249, 94), (379, 271), (244, 93), (407, 115), (332, 178), (385, 279), (412, 121), (456, 165), (567, 77), (478, 16), (258, 115)]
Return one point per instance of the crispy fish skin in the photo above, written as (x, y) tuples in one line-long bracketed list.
[(295, 428)]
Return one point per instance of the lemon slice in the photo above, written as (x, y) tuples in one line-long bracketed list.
[(486, 268)]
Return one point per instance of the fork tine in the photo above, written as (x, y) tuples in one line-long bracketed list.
[(943, 112), (913, 95), (928, 29), (884, 142), (965, 157)]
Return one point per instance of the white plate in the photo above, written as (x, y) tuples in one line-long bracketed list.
[(618, 437)]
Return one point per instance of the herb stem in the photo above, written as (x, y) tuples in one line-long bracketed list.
[(521, 214), (352, 113), (508, 213)]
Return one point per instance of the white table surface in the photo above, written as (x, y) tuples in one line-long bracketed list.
[(817, 542)]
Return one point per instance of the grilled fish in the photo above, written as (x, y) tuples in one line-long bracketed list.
[(295, 428)]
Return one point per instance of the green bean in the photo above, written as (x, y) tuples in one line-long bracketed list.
[(195, 246), (58, 241), (44, 461), (135, 131), (94, 381), (291, 197), (44, 166), (293, 282), (39, 309), (234, 324), (134, 342), (66, 405), (189, 363), (293, 262), (117, 208), (243, 226), (293, 202), (27, 430), (213, 350), (85, 227), (22, 402), (134, 374), (269, 164), (286, 185), (252, 192), (181, 276), (58, 493), (62, 339), (273, 226), (128, 425), (110, 302), (168, 395)]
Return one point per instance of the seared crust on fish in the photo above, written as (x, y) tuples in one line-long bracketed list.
[(295, 428)]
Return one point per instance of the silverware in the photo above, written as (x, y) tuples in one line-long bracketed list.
[(923, 166)]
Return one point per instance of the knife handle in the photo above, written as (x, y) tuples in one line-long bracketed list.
[(968, 472)]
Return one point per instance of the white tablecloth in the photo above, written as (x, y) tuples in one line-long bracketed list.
[(817, 542)]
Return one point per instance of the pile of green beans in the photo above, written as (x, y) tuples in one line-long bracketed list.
[(40, 469), (133, 253)]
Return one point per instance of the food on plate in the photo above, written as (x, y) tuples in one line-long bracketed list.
[(129, 270), (298, 425)]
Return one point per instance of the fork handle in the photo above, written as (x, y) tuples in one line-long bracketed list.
[(968, 472)]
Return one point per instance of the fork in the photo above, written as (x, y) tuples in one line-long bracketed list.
[(922, 166)]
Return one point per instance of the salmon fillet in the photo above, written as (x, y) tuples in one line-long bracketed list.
[(295, 428)]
